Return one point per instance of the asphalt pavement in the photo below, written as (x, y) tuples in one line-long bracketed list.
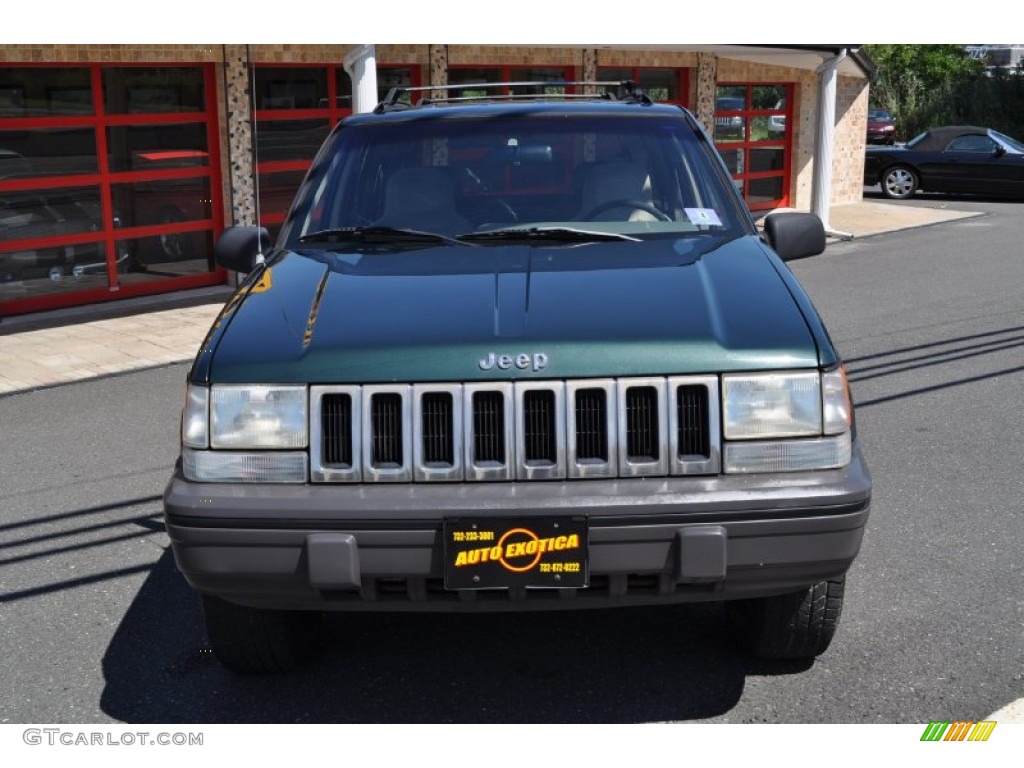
[(97, 625)]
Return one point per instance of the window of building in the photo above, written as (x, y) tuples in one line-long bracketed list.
[(753, 135), (660, 83), (296, 106), (109, 182), (459, 75)]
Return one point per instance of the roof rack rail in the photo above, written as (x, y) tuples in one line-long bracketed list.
[(624, 90)]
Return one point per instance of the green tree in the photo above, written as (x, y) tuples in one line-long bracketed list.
[(911, 77)]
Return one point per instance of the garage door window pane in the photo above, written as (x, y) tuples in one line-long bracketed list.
[(733, 160), (172, 201), (277, 191), (136, 90), (156, 147), (764, 190), (473, 75), (166, 256), (45, 91), (768, 96), (538, 75), (291, 88), (289, 139), (764, 159), (27, 273), (660, 84), (49, 213), (47, 152)]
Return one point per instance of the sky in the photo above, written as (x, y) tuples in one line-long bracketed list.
[(493, 22)]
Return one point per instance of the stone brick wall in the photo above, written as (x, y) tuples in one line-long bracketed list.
[(704, 91), (513, 55), (850, 140), (238, 128), (87, 54), (628, 57)]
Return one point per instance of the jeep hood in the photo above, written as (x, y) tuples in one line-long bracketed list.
[(431, 314)]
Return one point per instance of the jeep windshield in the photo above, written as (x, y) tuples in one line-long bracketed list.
[(544, 178)]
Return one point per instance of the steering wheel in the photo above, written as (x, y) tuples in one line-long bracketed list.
[(639, 205)]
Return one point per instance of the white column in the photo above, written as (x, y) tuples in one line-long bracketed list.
[(361, 65), (821, 189)]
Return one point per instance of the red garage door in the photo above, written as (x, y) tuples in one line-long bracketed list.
[(109, 183), (753, 124)]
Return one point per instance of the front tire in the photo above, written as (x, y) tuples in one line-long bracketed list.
[(899, 182), (257, 640), (799, 625)]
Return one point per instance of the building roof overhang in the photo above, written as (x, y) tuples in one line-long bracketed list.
[(809, 57)]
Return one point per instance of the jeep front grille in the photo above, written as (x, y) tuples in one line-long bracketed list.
[(337, 429), (436, 428), (532, 430)]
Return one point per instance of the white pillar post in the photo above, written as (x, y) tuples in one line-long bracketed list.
[(821, 188), (361, 65)]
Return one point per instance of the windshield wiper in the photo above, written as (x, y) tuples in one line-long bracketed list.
[(377, 234), (548, 234)]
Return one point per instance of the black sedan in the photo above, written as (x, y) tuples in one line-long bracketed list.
[(957, 158)]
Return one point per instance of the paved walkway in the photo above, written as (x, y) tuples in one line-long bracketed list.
[(75, 347)]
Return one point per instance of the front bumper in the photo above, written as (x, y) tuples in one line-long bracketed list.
[(652, 540)]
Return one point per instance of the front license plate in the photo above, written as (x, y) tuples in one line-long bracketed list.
[(500, 553)]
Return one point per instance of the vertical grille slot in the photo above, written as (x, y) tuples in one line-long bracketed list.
[(642, 423), (437, 429), (489, 427), (386, 430), (539, 427), (692, 414), (591, 425), (336, 427)]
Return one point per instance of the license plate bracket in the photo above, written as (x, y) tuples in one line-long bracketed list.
[(499, 553)]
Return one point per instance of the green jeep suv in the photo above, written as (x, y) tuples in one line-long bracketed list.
[(514, 355)]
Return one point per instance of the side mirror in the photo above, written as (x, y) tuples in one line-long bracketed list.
[(238, 247), (999, 151), (794, 235)]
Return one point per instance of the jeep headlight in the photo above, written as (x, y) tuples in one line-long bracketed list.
[(251, 416), (786, 422), (239, 422), (771, 405)]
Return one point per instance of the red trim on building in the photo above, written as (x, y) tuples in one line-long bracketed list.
[(747, 143), (105, 180)]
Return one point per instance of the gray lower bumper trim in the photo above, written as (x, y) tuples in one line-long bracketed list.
[(378, 547)]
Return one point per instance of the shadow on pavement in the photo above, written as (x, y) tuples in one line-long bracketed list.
[(875, 193), (634, 665)]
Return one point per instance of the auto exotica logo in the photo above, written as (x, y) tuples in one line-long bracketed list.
[(506, 553), (960, 730), (533, 547)]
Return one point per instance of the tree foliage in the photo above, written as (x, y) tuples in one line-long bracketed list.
[(928, 85)]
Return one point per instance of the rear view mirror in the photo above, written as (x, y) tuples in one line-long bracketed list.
[(794, 235), (238, 247)]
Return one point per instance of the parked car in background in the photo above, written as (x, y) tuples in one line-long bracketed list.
[(962, 159), (881, 127), (729, 126), (30, 215), (777, 123)]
